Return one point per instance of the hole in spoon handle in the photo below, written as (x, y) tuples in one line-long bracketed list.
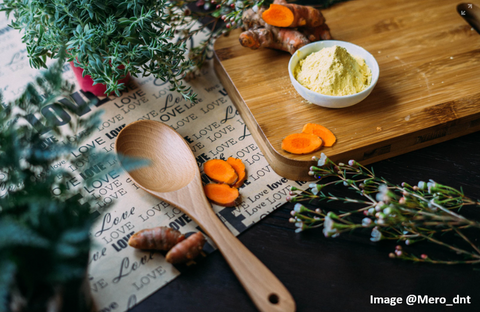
[(273, 298)]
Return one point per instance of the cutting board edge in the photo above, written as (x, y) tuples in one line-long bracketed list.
[(298, 169)]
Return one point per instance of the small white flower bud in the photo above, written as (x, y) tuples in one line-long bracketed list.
[(379, 206), (366, 222), (383, 189), (322, 160)]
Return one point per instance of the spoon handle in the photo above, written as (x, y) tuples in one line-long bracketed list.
[(174, 176), (265, 290)]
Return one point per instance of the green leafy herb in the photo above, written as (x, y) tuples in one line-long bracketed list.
[(44, 238), (109, 39)]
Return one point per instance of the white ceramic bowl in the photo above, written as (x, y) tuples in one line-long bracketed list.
[(330, 100)]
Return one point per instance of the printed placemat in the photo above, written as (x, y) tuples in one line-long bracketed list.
[(119, 275)]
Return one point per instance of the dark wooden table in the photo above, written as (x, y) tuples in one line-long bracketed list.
[(340, 274)]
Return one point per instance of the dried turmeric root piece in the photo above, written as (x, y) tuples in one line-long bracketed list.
[(186, 250), (220, 171), (221, 194), (325, 134), (239, 168), (252, 19), (313, 34), (285, 39), (259, 34), (283, 14), (158, 238), (301, 143)]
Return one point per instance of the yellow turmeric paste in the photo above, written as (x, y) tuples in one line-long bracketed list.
[(333, 71)]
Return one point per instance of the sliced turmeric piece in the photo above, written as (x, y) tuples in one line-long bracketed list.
[(301, 143), (283, 14), (278, 15), (221, 194), (220, 171), (239, 168), (186, 250), (325, 134)]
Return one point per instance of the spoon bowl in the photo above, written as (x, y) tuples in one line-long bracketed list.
[(149, 140), (174, 177)]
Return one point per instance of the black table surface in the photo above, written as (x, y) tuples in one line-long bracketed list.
[(340, 274)]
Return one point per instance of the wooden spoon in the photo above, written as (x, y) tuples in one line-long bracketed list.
[(173, 176)]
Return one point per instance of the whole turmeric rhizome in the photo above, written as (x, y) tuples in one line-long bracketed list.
[(180, 249)]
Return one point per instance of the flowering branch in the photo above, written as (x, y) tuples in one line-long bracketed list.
[(405, 213)]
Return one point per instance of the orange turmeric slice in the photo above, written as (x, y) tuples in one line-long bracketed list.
[(278, 15), (325, 134), (301, 143), (221, 194), (220, 171), (283, 14), (239, 168)]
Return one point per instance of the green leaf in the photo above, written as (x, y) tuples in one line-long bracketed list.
[(7, 276), (14, 233)]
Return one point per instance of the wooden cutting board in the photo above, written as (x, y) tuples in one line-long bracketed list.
[(428, 90)]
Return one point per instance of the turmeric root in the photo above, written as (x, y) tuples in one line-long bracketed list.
[(221, 194), (158, 238), (284, 39), (321, 32), (283, 14), (260, 34), (252, 19), (239, 168), (220, 171), (186, 250), (301, 143), (255, 38), (325, 134)]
